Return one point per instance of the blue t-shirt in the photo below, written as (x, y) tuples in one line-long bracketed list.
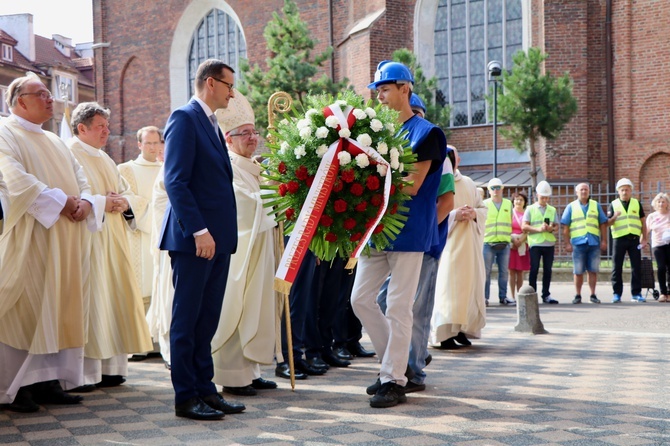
[(589, 238), (420, 232)]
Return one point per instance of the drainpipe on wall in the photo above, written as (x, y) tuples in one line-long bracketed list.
[(610, 94)]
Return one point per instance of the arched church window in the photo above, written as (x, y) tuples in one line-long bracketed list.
[(217, 36), (469, 34)]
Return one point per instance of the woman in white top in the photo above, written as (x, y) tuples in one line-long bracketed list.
[(658, 224)]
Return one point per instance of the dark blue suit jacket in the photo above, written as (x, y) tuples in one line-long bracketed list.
[(198, 181)]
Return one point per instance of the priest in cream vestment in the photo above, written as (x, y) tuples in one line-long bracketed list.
[(459, 292), (246, 334), (117, 325), (140, 174), (44, 261)]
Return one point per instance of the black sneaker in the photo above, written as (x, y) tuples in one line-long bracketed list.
[(414, 387), (577, 299), (389, 394), (594, 299), (373, 389)]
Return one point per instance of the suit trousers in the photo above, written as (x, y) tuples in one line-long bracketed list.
[(390, 333), (199, 286)]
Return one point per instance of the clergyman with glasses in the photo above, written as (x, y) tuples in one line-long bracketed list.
[(44, 257)]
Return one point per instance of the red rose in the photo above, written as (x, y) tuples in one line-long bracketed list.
[(347, 176), (281, 168), (362, 206), (330, 237), (326, 221), (301, 173), (378, 229), (357, 189), (293, 186), (369, 223), (338, 186), (394, 208), (282, 189), (392, 189), (349, 224), (290, 212), (356, 237), (377, 200), (309, 180), (372, 182), (340, 206)]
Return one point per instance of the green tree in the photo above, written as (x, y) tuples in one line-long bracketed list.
[(426, 89), (533, 105), (291, 66)]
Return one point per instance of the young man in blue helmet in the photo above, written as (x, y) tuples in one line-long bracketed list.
[(391, 333)]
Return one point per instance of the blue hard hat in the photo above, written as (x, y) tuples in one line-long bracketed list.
[(416, 102), (389, 72)]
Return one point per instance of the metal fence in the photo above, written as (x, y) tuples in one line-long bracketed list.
[(563, 195)]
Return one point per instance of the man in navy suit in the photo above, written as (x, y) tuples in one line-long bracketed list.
[(200, 233)]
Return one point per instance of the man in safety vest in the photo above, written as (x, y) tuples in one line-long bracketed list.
[(540, 222), (497, 238), (585, 234), (628, 227)]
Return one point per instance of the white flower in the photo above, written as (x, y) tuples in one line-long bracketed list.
[(344, 157), (362, 160), (321, 150), (394, 154), (341, 103), (364, 140), (322, 132), (305, 132), (344, 133), (401, 167), (284, 147), (376, 125), (381, 169), (371, 112), (359, 114), (299, 152), (332, 122), (395, 164), (303, 123), (311, 112), (390, 127), (382, 148)]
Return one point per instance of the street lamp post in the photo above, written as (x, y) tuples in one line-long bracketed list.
[(495, 70)]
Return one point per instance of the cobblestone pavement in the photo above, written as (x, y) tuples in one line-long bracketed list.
[(600, 377)]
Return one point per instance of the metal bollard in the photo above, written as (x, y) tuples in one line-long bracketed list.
[(528, 312)]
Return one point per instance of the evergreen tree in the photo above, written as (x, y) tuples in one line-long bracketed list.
[(426, 89), (291, 67), (533, 105)]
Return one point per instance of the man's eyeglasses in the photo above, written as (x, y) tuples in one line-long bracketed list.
[(44, 95), (495, 187), (246, 134), (227, 84)]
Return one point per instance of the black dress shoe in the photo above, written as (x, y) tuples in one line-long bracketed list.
[(304, 367), (334, 361), (23, 402), (263, 384), (358, 350), (216, 401), (343, 353), (462, 339), (241, 391), (449, 344), (111, 381), (83, 389), (51, 392), (197, 409), (429, 359), (283, 371), (317, 363), (138, 358)]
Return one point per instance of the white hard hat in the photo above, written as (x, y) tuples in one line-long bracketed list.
[(624, 182), (495, 182), (543, 188)]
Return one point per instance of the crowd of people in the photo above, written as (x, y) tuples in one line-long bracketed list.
[(173, 254)]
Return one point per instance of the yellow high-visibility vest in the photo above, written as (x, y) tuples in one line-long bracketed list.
[(629, 221), (537, 220), (581, 225), (498, 222)]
